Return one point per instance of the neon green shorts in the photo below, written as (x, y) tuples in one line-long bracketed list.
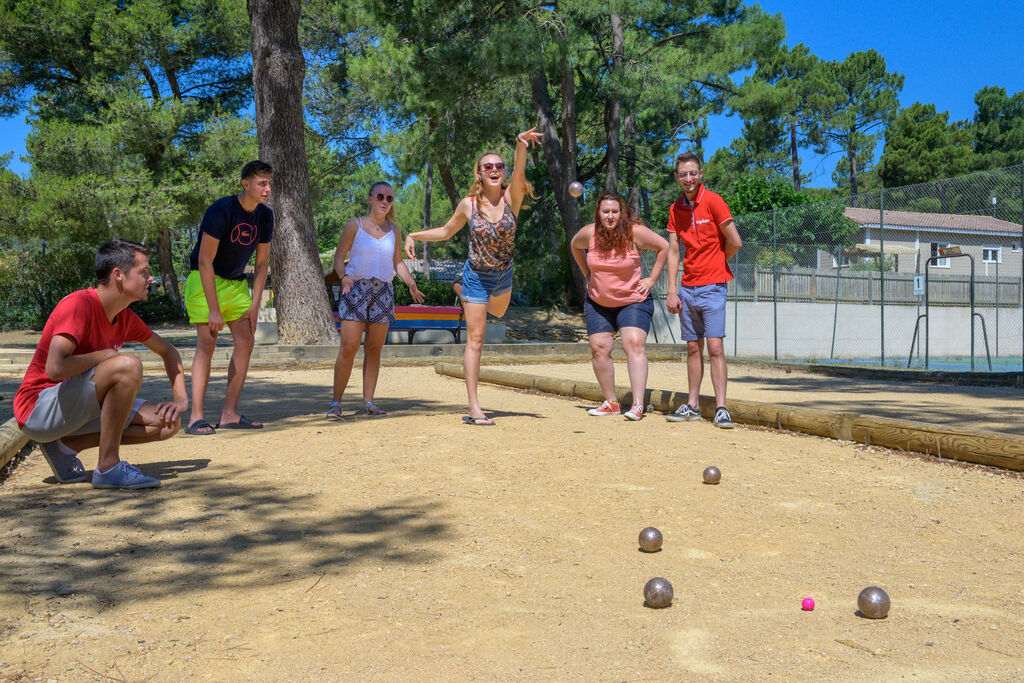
[(232, 296)]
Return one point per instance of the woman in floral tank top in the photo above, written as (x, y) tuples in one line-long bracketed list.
[(490, 209)]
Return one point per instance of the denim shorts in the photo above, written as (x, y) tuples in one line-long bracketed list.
[(703, 312), (478, 286), (70, 408), (613, 318)]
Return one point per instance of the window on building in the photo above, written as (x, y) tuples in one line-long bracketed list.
[(992, 254), (1015, 247), (942, 262)]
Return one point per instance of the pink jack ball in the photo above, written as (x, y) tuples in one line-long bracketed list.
[(808, 604)]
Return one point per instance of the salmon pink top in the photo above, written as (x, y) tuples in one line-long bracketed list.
[(613, 276)]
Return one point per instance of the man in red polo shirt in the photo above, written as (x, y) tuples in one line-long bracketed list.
[(701, 220), (80, 393)]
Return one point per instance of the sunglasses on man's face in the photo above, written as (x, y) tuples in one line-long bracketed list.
[(493, 167), (385, 198)]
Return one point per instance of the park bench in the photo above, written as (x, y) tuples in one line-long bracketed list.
[(412, 319)]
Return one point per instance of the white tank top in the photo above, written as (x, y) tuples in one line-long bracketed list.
[(371, 256)]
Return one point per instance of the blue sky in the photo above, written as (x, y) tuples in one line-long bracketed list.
[(947, 51)]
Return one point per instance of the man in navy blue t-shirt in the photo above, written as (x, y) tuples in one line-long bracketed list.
[(216, 293)]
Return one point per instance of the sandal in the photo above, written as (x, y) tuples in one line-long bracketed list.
[(334, 411), (374, 410), (200, 428), (478, 421)]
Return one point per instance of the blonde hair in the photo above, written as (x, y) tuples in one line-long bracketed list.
[(391, 212), (477, 190)]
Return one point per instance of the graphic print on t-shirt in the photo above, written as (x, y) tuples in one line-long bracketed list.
[(244, 234)]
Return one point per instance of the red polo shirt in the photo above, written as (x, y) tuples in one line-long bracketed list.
[(697, 226)]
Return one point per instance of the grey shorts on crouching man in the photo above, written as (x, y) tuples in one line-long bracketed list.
[(68, 409)]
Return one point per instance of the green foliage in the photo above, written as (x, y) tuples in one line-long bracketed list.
[(873, 265), (436, 292), (159, 308), (921, 145), (782, 256), (754, 194), (998, 128), (852, 100), (32, 282)]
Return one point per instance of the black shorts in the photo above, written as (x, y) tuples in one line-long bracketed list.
[(613, 318)]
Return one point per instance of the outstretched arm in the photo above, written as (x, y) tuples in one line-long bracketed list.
[(454, 224), (517, 184)]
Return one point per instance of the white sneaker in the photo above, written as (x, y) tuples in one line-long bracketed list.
[(606, 408), (635, 413), (723, 419)]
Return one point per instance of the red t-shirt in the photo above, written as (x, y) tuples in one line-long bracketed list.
[(697, 226), (79, 315)]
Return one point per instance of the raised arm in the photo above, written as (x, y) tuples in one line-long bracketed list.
[(646, 238), (345, 239), (517, 183), (454, 224), (168, 411)]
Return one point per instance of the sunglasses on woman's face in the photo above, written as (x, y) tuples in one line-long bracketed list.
[(493, 167), (385, 198)]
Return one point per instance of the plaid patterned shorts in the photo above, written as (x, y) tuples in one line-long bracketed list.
[(369, 301)]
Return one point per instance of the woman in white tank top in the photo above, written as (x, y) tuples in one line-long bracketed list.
[(374, 248)]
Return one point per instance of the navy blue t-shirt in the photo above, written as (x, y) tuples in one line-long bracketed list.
[(238, 230)]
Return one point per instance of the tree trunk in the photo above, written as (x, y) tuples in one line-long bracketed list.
[(613, 110), (633, 189), (166, 261), (449, 185), (794, 154), (561, 160), (852, 155), (279, 69), (429, 188)]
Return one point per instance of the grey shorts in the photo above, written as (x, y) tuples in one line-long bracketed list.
[(68, 409), (703, 312)]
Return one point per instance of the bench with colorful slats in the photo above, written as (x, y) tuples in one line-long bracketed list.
[(411, 319)]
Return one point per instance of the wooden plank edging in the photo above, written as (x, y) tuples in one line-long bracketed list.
[(11, 441), (969, 445)]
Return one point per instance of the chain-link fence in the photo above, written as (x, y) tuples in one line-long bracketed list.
[(926, 275)]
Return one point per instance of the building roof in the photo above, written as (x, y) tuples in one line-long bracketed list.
[(944, 222)]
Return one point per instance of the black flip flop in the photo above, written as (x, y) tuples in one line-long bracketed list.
[(478, 421), (243, 423), (200, 424)]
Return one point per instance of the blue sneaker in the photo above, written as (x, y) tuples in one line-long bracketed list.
[(123, 476), (64, 462)]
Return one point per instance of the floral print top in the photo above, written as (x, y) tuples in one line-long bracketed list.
[(490, 244)]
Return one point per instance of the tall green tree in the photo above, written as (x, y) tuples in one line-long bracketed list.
[(998, 128), (921, 145), (852, 101), (115, 122)]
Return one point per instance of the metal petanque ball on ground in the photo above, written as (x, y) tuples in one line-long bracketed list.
[(650, 540), (712, 475), (873, 603), (658, 592), (576, 189)]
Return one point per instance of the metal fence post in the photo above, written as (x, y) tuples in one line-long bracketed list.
[(881, 264), (1022, 267), (775, 280), (736, 307)]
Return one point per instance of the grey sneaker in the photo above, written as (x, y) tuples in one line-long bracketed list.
[(684, 413), (66, 466), (723, 419), (123, 476)]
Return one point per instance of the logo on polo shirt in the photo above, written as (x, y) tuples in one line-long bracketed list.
[(702, 221), (243, 234)]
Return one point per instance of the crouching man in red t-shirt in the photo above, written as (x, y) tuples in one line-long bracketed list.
[(702, 222), (79, 392)]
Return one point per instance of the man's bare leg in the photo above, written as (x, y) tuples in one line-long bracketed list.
[(206, 342)]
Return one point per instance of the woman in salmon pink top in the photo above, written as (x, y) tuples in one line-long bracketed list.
[(618, 297)]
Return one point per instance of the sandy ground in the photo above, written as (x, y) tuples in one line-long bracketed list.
[(413, 547)]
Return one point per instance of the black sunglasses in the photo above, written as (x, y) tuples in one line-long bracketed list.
[(385, 198), (497, 167)]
